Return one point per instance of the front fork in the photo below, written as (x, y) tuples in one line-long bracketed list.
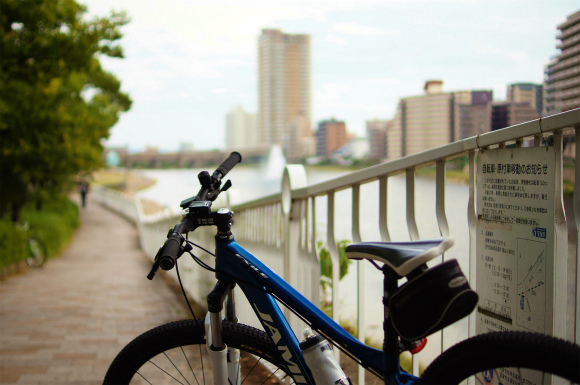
[(225, 361)]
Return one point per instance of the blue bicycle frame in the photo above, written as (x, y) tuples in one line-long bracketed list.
[(263, 287)]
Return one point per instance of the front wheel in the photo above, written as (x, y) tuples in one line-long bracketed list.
[(36, 252), (507, 358), (175, 353)]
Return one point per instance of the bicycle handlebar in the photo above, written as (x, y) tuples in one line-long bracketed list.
[(171, 250), (227, 165), (169, 253)]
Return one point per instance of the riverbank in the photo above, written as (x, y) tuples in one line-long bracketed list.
[(129, 182)]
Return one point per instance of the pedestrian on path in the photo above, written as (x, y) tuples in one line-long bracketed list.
[(84, 190)]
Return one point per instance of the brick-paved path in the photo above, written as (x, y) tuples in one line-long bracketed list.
[(64, 323)]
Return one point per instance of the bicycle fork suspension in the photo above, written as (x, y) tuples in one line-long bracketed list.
[(225, 361)]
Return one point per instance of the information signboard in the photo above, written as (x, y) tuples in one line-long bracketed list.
[(516, 240)]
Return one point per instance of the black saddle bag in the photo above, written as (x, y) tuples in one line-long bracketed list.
[(438, 297)]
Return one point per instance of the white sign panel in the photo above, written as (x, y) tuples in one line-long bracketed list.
[(515, 240)]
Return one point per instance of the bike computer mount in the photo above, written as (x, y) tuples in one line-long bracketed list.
[(210, 189), (198, 208)]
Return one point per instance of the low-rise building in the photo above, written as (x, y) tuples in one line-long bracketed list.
[(330, 136), (437, 118)]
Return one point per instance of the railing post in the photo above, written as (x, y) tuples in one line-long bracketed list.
[(383, 204), (335, 258), (294, 177), (440, 198), (361, 330), (577, 223), (411, 222), (472, 224), (561, 242), (313, 253), (333, 251)]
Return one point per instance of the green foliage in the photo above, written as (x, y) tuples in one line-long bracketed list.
[(12, 243), (458, 163), (326, 261), (54, 225), (56, 102), (568, 187), (326, 269)]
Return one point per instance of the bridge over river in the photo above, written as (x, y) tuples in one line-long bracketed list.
[(183, 159)]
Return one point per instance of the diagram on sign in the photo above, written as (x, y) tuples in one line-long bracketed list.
[(531, 284)]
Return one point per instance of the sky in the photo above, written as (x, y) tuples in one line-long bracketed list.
[(188, 62)]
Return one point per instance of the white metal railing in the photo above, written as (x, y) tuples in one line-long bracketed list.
[(283, 229), (296, 230)]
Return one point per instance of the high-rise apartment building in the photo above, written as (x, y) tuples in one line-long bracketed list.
[(473, 116), (300, 142), (437, 118), (527, 93), (377, 138), (284, 86), (562, 74), (241, 129), (505, 114), (330, 136)]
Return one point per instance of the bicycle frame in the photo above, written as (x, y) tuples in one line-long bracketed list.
[(263, 287)]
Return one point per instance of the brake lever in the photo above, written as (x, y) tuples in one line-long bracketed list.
[(155, 266), (185, 249), (226, 185), (153, 271), (214, 194)]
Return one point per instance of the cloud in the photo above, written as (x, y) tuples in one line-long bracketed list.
[(240, 95), (331, 92), (496, 52), (356, 29), (333, 39)]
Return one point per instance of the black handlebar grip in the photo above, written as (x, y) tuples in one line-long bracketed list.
[(169, 253), (229, 163)]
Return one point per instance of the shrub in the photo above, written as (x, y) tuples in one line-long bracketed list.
[(54, 223), (12, 243)]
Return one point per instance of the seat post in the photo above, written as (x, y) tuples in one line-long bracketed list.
[(391, 338)]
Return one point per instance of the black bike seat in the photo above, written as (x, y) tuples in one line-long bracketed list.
[(402, 257)]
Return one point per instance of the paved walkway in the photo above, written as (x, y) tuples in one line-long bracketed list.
[(64, 323)]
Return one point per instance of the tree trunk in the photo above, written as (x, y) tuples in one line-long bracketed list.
[(16, 211)]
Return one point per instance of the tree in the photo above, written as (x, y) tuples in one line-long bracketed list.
[(57, 103)]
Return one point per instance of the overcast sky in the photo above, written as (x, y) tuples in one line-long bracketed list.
[(189, 61)]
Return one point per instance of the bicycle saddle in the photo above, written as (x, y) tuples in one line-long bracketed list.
[(402, 257)]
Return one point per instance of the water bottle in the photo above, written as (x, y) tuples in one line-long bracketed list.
[(320, 359)]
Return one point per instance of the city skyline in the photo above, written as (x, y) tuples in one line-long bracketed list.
[(187, 65)]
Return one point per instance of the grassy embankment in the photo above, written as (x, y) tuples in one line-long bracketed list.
[(128, 182), (54, 223)]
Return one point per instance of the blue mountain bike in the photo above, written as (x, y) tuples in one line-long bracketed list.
[(220, 350)]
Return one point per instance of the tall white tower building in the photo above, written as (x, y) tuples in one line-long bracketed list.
[(241, 129)]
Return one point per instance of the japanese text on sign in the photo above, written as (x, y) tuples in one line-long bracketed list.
[(515, 235), (515, 168)]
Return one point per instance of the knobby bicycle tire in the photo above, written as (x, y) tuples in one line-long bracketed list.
[(37, 252), (142, 359), (505, 350)]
